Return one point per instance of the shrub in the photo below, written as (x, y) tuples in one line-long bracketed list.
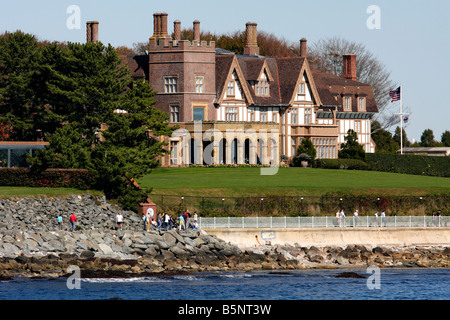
[(350, 164), (409, 164), (64, 178)]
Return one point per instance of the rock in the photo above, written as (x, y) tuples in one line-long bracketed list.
[(350, 275), (86, 254), (341, 260), (105, 248)]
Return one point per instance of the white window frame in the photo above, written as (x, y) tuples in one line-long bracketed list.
[(199, 84), (170, 84), (174, 113)]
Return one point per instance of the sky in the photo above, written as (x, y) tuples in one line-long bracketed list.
[(411, 38)]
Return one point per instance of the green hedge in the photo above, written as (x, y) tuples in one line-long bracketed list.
[(350, 164), (409, 164), (63, 178)]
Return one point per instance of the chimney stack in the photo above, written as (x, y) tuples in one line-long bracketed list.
[(160, 25), (92, 31), (349, 71), (302, 48), (251, 46), (177, 30), (196, 30)]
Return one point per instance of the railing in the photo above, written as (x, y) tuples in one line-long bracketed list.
[(323, 222)]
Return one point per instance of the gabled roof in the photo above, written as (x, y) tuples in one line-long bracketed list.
[(291, 72), (332, 87), (251, 68), (225, 66)]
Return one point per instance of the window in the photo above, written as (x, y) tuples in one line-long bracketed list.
[(294, 148), (198, 113), (361, 104), (251, 115), (261, 88), (170, 84), (357, 126), (263, 115), (231, 114), (274, 116), (307, 115), (230, 88), (199, 84), (294, 116), (347, 103), (173, 152), (174, 114)]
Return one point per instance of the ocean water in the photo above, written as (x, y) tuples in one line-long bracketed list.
[(384, 284)]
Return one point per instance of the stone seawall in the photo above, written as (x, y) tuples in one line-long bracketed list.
[(32, 245)]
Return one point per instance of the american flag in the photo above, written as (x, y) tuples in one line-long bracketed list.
[(395, 95)]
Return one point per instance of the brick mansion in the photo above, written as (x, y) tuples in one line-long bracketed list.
[(247, 109)]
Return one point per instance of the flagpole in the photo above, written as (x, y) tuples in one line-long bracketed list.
[(401, 121)]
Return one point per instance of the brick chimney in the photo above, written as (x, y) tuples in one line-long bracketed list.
[(160, 26), (177, 30), (349, 70), (92, 31), (251, 46), (196, 30), (302, 48)]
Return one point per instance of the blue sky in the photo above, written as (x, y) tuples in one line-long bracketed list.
[(413, 40)]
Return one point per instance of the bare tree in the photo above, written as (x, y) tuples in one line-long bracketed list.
[(326, 56)]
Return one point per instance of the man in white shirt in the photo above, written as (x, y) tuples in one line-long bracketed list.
[(119, 220), (355, 218)]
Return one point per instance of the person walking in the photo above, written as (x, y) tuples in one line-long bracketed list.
[(355, 218), (119, 220), (73, 220), (342, 216), (383, 219), (60, 222), (159, 220)]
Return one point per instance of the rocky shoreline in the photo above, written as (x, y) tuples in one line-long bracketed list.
[(31, 245)]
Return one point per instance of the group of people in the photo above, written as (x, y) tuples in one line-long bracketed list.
[(340, 216), (165, 221), (73, 221)]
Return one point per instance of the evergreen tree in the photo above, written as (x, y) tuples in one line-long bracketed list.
[(20, 56), (383, 139), (351, 149), (396, 138), (306, 147), (445, 138), (427, 138)]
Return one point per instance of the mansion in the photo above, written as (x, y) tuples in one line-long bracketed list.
[(238, 109)]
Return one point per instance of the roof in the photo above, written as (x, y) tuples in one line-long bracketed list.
[(138, 65), (333, 88)]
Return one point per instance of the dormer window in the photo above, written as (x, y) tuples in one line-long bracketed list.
[(261, 87), (301, 89), (361, 104), (230, 88), (347, 103)]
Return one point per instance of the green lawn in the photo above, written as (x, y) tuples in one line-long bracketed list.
[(247, 181)]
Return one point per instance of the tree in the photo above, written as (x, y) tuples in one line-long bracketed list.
[(383, 139), (78, 88), (326, 56), (445, 138), (305, 152), (351, 149), (20, 55), (396, 137), (427, 138)]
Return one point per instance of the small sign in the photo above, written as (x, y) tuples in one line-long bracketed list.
[(268, 235)]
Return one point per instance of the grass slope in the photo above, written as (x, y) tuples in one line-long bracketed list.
[(247, 181)]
